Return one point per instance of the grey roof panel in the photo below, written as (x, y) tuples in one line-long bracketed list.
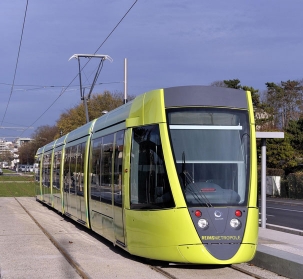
[(204, 96)]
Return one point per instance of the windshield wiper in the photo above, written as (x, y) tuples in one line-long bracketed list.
[(183, 173)]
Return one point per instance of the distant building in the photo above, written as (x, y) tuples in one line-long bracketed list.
[(3, 146), (11, 148), (20, 141), (4, 151)]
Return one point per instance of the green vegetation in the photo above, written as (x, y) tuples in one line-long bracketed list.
[(17, 186), (17, 189)]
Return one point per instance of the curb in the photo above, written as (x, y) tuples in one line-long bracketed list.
[(279, 262), (284, 229)]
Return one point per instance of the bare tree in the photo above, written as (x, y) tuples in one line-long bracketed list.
[(41, 136), (285, 101)]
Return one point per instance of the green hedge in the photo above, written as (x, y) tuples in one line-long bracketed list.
[(284, 193), (295, 185)]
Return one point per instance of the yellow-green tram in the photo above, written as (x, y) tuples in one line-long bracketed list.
[(170, 175)]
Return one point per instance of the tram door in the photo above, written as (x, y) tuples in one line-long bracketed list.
[(66, 181), (75, 197), (106, 195), (106, 209), (117, 189), (80, 182), (46, 176), (73, 181), (72, 193)]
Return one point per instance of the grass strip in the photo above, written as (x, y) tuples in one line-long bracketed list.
[(18, 189)]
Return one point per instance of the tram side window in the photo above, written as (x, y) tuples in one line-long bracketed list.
[(106, 168), (118, 168), (72, 168), (76, 175), (56, 169), (46, 170), (67, 175), (150, 187), (80, 169), (95, 183), (37, 169)]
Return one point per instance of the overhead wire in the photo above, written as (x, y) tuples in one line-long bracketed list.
[(16, 66), (47, 87), (116, 26), (62, 92)]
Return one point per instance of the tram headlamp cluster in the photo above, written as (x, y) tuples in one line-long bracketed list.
[(203, 223), (235, 223)]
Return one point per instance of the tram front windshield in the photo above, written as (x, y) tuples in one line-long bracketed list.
[(211, 148)]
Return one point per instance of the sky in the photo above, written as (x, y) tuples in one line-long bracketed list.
[(166, 42)]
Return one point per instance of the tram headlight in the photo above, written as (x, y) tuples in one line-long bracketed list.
[(203, 224), (235, 223)]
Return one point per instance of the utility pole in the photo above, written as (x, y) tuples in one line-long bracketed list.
[(82, 90), (125, 80)]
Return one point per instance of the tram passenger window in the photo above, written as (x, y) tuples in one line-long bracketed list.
[(46, 170), (118, 168), (67, 175), (73, 173), (37, 169), (150, 188), (79, 169), (95, 182), (56, 170), (106, 168)]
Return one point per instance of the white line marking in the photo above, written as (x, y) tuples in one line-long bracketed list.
[(285, 209)]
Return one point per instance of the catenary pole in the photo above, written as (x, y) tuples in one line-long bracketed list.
[(125, 80), (263, 183)]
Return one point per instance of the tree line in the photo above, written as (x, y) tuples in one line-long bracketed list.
[(278, 108)]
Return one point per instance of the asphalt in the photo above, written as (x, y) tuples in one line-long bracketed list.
[(26, 252)]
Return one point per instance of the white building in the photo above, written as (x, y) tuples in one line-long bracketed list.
[(20, 141)]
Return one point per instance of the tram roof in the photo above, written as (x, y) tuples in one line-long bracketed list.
[(80, 132), (206, 96), (113, 117)]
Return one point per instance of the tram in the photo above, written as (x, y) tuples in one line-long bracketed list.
[(169, 176)]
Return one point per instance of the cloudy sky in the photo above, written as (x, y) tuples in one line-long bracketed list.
[(167, 43)]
